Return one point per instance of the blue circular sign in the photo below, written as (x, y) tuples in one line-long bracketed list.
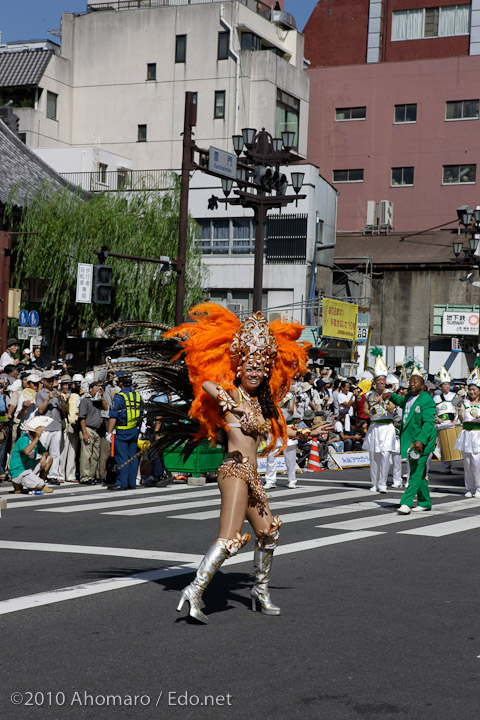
[(33, 318), (23, 318)]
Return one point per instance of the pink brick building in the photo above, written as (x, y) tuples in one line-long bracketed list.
[(394, 107)]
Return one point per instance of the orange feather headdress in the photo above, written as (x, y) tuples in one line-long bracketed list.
[(216, 343)]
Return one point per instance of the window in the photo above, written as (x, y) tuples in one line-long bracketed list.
[(462, 110), (406, 113), (287, 115), (51, 105), (402, 176), (355, 113), (219, 109), (226, 237), (340, 176), (431, 22), (151, 71), (456, 174), (180, 48), (250, 41), (142, 133), (102, 173), (223, 45)]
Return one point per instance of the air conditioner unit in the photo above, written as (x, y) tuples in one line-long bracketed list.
[(236, 308), (373, 212), (386, 213)]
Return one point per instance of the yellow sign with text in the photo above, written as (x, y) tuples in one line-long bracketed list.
[(339, 320)]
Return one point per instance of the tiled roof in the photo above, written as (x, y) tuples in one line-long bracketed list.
[(401, 249), (21, 169), (23, 67)]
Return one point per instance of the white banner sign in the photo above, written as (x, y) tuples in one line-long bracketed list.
[(460, 323), (351, 459), (28, 332), (84, 283), (262, 464)]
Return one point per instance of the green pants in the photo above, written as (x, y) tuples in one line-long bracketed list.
[(417, 484)]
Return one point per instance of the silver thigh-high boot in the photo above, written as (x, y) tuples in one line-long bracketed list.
[(267, 541), (212, 561)]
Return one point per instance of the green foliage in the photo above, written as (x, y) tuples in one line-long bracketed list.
[(67, 230)]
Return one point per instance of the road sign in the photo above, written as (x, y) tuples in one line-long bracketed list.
[(23, 318), (33, 318), (222, 163), (84, 283), (23, 333)]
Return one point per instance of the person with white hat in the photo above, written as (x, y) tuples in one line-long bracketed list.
[(30, 461), (446, 402), (381, 439), (468, 442)]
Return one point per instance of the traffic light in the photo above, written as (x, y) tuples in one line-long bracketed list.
[(102, 284)]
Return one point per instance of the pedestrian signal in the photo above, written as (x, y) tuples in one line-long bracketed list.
[(102, 284)]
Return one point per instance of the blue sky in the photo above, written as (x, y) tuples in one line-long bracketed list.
[(30, 19)]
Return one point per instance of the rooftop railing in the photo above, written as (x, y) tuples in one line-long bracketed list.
[(121, 180), (255, 5)]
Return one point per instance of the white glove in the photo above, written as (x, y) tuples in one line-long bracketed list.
[(108, 437)]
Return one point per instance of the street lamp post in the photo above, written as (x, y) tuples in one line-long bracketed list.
[(262, 186)]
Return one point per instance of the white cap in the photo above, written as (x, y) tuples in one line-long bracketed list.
[(78, 377), (34, 378)]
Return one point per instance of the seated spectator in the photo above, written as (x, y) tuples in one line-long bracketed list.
[(30, 461)]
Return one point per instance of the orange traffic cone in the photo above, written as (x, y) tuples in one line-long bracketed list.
[(314, 458)]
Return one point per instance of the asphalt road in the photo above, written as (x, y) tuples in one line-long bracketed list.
[(377, 622)]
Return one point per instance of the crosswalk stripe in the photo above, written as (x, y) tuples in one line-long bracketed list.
[(109, 551), (335, 497), (76, 591), (122, 502), (472, 522), (392, 518), (22, 501), (297, 516)]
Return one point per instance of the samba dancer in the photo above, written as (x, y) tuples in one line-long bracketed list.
[(468, 442), (236, 372)]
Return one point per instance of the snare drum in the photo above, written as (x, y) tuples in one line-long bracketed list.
[(447, 439)]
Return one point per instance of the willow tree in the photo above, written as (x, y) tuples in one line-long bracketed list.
[(63, 229)]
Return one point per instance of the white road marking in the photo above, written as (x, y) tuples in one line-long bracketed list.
[(335, 497), (152, 501), (392, 518), (472, 522), (76, 591), (297, 516), (19, 501), (94, 550)]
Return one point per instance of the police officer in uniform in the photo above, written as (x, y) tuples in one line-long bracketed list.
[(125, 417)]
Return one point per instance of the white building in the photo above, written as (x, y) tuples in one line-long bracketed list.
[(110, 100)]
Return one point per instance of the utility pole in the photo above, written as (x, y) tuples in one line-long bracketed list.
[(190, 120)]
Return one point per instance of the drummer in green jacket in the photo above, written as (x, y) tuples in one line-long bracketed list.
[(418, 436)]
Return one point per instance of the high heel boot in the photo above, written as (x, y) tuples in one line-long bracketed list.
[(262, 564), (214, 557), (211, 562)]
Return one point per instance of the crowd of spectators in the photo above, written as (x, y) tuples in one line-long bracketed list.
[(53, 423)]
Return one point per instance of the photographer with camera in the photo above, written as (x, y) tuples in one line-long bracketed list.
[(50, 403)]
